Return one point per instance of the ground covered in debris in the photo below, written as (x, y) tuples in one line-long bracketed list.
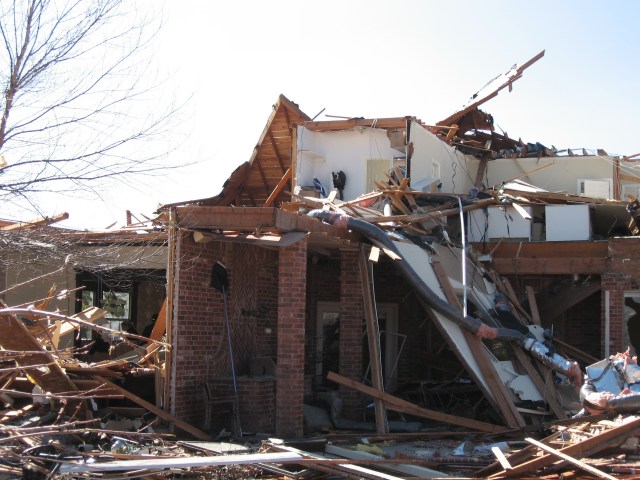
[(39, 441)]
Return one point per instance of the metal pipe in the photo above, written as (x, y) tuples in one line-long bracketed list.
[(379, 238), (464, 260)]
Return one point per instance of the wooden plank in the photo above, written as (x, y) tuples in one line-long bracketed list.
[(160, 463), (279, 187), (533, 305), (506, 466), (400, 405), (196, 432), (590, 446), (89, 315), (45, 370), (35, 223), (333, 125), (573, 461), (373, 340), (597, 249), (550, 266), (503, 400)]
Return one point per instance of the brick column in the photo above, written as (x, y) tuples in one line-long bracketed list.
[(615, 284), (292, 278), (351, 316)]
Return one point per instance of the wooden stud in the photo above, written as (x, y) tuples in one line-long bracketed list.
[(373, 339)]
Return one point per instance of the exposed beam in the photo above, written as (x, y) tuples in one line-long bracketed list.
[(513, 76), (36, 223), (373, 339), (400, 405), (276, 191), (333, 125), (550, 266)]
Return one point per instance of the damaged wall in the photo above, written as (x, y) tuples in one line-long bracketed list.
[(561, 176), (352, 151), (432, 159)]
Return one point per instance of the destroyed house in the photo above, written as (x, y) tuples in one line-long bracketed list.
[(122, 271), (274, 312)]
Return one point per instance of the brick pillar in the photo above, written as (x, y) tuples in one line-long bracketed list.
[(351, 316), (292, 278), (615, 284)]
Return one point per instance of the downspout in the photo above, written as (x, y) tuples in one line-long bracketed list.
[(169, 369)]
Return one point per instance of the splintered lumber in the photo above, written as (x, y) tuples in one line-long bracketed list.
[(196, 432), (577, 463), (400, 405), (373, 338), (501, 399), (89, 315), (607, 439), (160, 463), (533, 305), (343, 469), (45, 371), (161, 324)]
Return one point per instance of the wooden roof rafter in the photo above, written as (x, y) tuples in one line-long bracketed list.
[(275, 149)]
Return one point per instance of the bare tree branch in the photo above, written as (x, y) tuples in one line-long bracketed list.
[(77, 84)]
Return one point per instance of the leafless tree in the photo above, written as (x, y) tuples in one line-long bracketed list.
[(77, 82)]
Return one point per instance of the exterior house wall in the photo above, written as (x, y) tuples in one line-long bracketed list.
[(22, 271), (200, 342), (320, 153), (614, 284), (292, 275), (430, 152), (25, 270)]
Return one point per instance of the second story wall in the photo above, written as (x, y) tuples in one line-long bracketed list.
[(561, 174), (362, 154)]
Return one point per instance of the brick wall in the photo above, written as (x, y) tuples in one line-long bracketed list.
[(615, 284), (292, 273), (200, 342), (351, 318), (198, 328), (256, 398)]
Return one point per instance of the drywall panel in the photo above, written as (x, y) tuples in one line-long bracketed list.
[(433, 160), (494, 223), (321, 153), (567, 222), (420, 260), (554, 174)]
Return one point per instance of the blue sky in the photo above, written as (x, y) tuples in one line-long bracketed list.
[(379, 59)]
